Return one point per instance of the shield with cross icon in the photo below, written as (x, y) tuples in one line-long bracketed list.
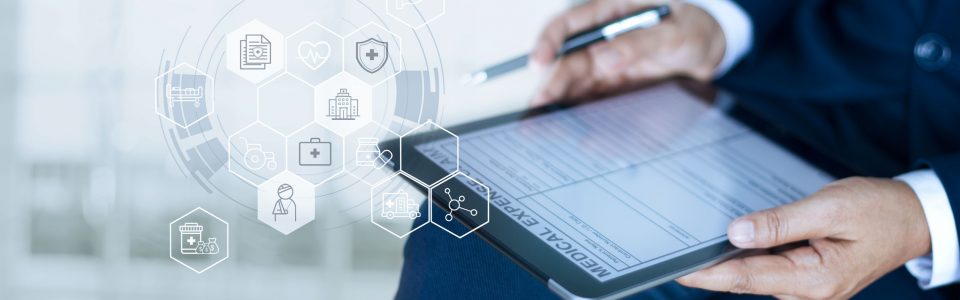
[(372, 54)]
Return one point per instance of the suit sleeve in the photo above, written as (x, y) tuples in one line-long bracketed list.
[(766, 16)]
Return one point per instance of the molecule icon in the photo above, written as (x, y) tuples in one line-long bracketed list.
[(455, 205)]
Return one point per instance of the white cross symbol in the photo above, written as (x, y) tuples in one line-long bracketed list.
[(191, 240)]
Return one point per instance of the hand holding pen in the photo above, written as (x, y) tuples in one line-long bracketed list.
[(609, 45)]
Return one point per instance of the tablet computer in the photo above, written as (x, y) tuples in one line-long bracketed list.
[(609, 198)]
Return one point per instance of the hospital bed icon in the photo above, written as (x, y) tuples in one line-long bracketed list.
[(177, 94)]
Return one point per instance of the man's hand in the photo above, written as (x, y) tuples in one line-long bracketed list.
[(858, 230), (687, 43)]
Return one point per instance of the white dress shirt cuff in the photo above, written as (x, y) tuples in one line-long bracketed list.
[(941, 266), (737, 30)]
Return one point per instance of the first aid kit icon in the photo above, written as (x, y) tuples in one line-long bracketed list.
[(316, 153)]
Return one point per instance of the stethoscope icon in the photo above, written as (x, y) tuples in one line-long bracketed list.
[(455, 205)]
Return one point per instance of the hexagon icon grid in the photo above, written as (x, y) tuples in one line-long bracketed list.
[(316, 152), (314, 53), (394, 204), (365, 159), (199, 240), (416, 13), (344, 104), (286, 202), (458, 201), (436, 142), (372, 54), (255, 51), (184, 95), (285, 103), (256, 153)]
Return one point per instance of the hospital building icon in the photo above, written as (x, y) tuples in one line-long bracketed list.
[(343, 107)]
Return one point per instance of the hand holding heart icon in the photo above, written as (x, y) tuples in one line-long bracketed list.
[(313, 54)]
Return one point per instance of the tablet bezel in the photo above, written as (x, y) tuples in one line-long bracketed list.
[(543, 261)]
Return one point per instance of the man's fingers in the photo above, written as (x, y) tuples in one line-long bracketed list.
[(633, 51), (549, 42), (579, 74), (566, 77), (575, 20), (562, 26), (761, 275), (799, 273), (813, 217), (603, 64), (608, 59)]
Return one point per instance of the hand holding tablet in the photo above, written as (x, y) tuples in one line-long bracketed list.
[(647, 200)]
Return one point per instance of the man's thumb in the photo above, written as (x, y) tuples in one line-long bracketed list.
[(798, 221)]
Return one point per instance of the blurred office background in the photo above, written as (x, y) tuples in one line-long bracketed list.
[(89, 184)]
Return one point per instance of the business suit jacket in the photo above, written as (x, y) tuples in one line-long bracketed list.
[(870, 81), (841, 74)]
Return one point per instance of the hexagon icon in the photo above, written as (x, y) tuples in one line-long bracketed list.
[(314, 53), (199, 240), (465, 199), (416, 13), (184, 95), (395, 206), (316, 153), (442, 146), (366, 160), (344, 104), (286, 202), (372, 54), (285, 103), (255, 51), (256, 153)]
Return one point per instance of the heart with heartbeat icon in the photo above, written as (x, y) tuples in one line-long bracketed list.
[(313, 54)]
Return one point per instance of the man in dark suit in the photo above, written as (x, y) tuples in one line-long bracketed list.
[(872, 82)]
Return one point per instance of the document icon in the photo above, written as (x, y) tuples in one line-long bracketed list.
[(254, 52)]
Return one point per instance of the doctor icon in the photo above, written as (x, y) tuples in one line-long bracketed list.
[(285, 205)]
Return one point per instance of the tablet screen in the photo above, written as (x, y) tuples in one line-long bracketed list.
[(628, 182)]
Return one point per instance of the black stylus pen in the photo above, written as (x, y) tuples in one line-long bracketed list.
[(642, 19)]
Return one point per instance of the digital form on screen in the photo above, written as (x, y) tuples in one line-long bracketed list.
[(626, 183)]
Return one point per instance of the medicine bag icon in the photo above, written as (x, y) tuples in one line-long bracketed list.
[(191, 240), (199, 240)]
